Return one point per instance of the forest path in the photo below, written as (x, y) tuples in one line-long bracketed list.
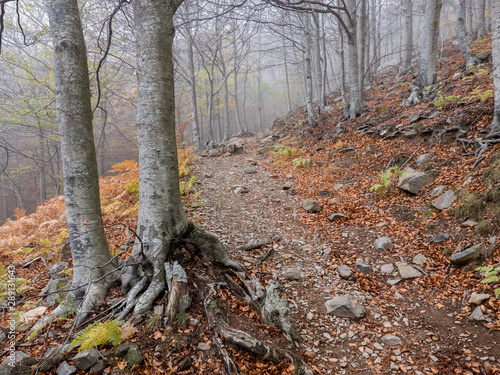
[(305, 260)]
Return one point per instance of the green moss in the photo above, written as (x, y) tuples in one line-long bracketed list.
[(484, 228), (473, 208), (493, 195)]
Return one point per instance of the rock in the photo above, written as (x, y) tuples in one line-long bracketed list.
[(250, 170), (65, 369), (477, 315), (57, 267), (97, 368), (240, 190), (310, 206), (444, 201), (413, 181), (131, 352), (394, 281), (422, 159), (410, 133), (290, 191), (382, 243), (457, 76), (49, 293), (468, 255), (53, 357), (18, 363), (214, 153), (310, 316), (338, 186), (265, 150), (345, 306), (364, 268), (324, 193), (407, 272), (441, 238), (336, 216), (32, 315), (86, 359), (387, 269), (469, 223), (346, 273), (287, 186), (419, 259), (203, 346), (391, 340), (415, 117), (438, 191), (478, 298), (292, 274), (492, 240)]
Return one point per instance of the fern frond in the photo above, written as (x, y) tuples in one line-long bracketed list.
[(98, 334)]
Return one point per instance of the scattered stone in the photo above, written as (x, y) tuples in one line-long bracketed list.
[(345, 306), (468, 255), (478, 298), (441, 238), (131, 352), (415, 117), (203, 346), (308, 248), (65, 369), (56, 268), (492, 240), (265, 150), (86, 359), (387, 269), (469, 223), (382, 243), (53, 357), (324, 193), (287, 186), (22, 364), (407, 272), (391, 340), (310, 206), (433, 358), (310, 316), (424, 158), (444, 201), (240, 190), (364, 268), (346, 273), (457, 76), (394, 281), (336, 216), (289, 176), (214, 153), (292, 275), (250, 170), (97, 368), (438, 191), (338, 186), (477, 315), (369, 204), (335, 201), (419, 259), (413, 181)]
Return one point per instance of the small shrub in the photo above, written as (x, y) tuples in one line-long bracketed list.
[(385, 180), (491, 276), (302, 162), (133, 188)]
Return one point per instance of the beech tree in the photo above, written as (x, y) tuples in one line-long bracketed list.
[(495, 41)]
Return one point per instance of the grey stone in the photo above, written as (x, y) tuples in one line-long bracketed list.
[(265, 150), (469, 223), (131, 352), (477, 315), (50, 292), (363, 267), (53, 357), (382, 243), (324, 193), (240, 190), (419, 259), (391, 340), (203, 346), (444, 201), (438, 191), (387, 269), (97, 368), (287, 185), (394, 281), (292, 274), (407, 272), (57, 267), (465, 257), (424, 158), (65, 369), (492, 240), (441, 238), (22, 364), (345, 306), (346, 273), (338, 186), (336, 216), (310, 316), (413, 181), (478, 298), (250, 170), (310, 206), (86, 359)]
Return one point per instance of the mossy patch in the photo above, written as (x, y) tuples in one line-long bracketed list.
[(484, 228), (471, 207)]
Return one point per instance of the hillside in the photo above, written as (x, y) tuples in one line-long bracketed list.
[(412, 289)]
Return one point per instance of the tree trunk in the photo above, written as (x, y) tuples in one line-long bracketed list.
[(467, 54), (345, 103), (361, 41), (91, 257), (307, 68), (468, 20), (237, 116), (481, 19), (287, 80), (192, 92), (428, 59), (41, 145), (355, 95), (407, 46), (495, 41), (317, 61)]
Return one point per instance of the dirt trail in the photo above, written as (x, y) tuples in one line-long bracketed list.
[(434, 340)]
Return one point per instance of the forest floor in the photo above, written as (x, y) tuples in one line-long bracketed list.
[(254, 196)]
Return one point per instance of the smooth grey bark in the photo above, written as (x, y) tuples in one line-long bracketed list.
[(345, 104), (467, 54), (91, 256), (355, 94), (237, 116), (481, 19), (469, 17), (287, 79), (317, 61), (361, 42), (307, 67), (495, 41), (407, 44), (195, 127), (41, 156), (428, 58)]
